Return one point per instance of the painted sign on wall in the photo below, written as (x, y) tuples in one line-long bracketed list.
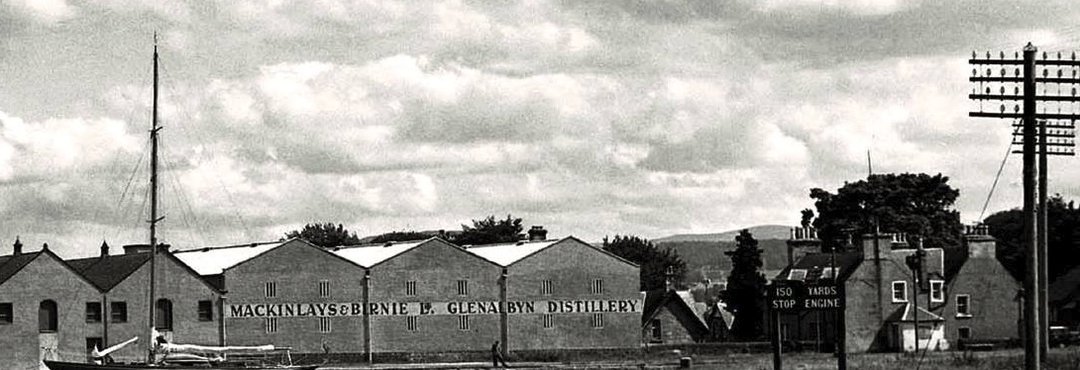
[(338, 309)]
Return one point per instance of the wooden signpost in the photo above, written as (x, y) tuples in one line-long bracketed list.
[(787, 296)]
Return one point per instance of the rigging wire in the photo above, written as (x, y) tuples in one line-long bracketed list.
[(1008, 150)]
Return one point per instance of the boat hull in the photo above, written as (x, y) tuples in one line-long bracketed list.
[(60, 365)]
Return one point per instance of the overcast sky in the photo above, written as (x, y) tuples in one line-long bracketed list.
[(592, 118)]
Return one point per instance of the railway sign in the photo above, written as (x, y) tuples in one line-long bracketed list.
[(794, 296)]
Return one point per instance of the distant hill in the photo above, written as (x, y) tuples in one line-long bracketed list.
[(704, 253), (760, 232)]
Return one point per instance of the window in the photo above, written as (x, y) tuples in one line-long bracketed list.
[(324, 288), (163, 311), (899, 291), (93, 311), (548, 320), (94, 343), (547, 287), (271, 324), (797, 274), (206, 311), (829, 272), (597, 320), (597, 286), (463, 322), (325, 325), (963, 305), (925, 331), (6, 314), (937, 291), (463, 287), (118, 311), (964, 332), (47, 316), (657, 331), (410, 288), (412, 323), (271, 289)]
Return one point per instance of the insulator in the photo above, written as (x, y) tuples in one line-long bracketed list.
[(973, 54), (975, 72), (1044, 55), (1016, 55), (1073, 57), (1002, 55), (1002, 90), (1059, 73), (1003, 72), (988, 73), (1016, 90), (988, 90), (1074, 73), (1016, 72), (1003, 108), (988, 54), (1046, 72), (1016, 108), (1059, 55), (1074, 91)]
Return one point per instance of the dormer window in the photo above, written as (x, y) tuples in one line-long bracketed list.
[(797, 274)]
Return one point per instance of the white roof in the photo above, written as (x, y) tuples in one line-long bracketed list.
[(214, 260), (506, 254), (371, 255)]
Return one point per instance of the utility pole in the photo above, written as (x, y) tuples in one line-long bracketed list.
[(1053, 139)]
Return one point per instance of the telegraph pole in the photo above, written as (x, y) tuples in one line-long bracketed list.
[(1034, 127)]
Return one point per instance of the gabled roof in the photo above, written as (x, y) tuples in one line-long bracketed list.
[(215, 260), (656, 300), (507, 254), (12, 264), (815, 265), (1065, 287), (906, 314), (367, 256), (105, 272)]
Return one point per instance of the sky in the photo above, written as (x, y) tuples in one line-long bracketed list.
[(591, 118)]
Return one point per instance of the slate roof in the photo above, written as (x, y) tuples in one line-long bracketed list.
[(11, 264), (656, 300), (373, 254), (1065, 287), (509, 253), (105, 272), (816, 263)]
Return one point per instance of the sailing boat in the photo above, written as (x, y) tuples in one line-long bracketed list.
[(160, 353)]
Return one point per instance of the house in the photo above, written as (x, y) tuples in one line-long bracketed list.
[(669, 319)]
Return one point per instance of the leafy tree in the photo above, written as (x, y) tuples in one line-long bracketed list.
[(325, 235), (491, 230), (917, 204), (400, 236), (744, 296), (654, 261), (1063, 231), (807, 217)]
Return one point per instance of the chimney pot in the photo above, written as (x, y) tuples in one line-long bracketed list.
[(17, 247), (537, 233)]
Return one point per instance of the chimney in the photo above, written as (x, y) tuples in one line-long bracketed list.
[(978, 241), (104, 249), (802, 240), (876, 249), (17, 247), (537, 233)]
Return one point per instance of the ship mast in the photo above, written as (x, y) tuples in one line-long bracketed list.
[(153, 208)]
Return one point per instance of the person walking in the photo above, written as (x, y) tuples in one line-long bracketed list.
[(496, 356)]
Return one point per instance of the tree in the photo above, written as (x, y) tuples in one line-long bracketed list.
[(744, 296), (400, 236), (919, 205), (1063, 242), (490, 230), (654, 262), (325, 235)]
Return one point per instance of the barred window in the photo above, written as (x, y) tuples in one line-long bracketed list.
[(899, 291), (410, 288), (326, 325), (93, 311), (546, 287), (6, 313), (271, 324), (597, 320), (597, 286), (963, 305), (463, 287), (412, 323), (937, 291), (271, 289), (324, 288), (549, 320), (965, 332), (118, 311), (206, 311), (463, 322)]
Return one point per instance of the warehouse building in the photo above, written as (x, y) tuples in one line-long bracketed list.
[(41, 310)]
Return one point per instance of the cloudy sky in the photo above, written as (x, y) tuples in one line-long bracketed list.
[(592, 118)]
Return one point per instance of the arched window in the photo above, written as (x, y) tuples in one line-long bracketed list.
[(164, 314), (47, 316)]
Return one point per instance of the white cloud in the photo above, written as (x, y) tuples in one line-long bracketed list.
[(45, 11)]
